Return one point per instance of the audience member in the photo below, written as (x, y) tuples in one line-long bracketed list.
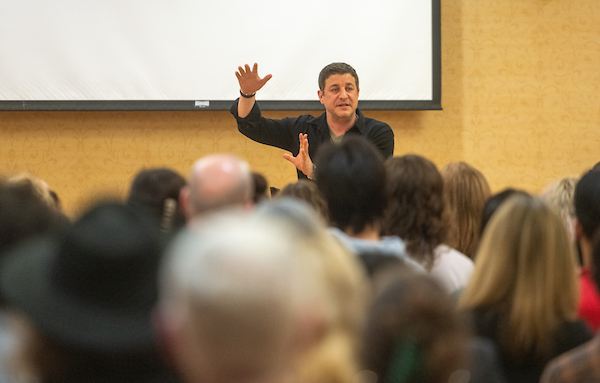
[(40, 186), (307, 191), (413, 333), (337, 272), (587, 222), (559, 196), (466, 191), (579, 365), (217, 181), (261, 188), (24, 214), (157, 190), (494, 202), (26, 211), (351, 177), (225, 324), (523, 293), (415, 213), (83, 300)]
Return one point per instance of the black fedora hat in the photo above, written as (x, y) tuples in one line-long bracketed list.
[(94, 286)]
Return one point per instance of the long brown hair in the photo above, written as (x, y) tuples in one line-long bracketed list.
[(415, 209), (465, 192), (526, 273)]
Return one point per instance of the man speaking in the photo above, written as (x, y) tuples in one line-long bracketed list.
[(338, 92)]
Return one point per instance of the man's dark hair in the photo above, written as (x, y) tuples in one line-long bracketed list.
[(260, 187), (587, 202), (596, 167), (351, 177), (335, 68), (151, 188)]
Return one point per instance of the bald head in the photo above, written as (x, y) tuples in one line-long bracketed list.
[(217, 181)]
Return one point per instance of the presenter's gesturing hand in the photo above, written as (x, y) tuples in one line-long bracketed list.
[(250, 81), (302, 161)]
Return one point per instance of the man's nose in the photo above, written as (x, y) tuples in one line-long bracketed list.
[(343, 93)]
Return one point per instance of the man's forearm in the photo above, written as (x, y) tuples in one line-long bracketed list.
[(245, 105)]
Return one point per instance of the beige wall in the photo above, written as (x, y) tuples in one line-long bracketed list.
[(520, 85)]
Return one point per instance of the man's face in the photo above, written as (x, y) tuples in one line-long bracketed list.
[(340, 96)]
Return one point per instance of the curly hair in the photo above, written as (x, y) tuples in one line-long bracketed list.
[(415, 209)]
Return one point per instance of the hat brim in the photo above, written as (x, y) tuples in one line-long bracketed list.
[(26, 283)]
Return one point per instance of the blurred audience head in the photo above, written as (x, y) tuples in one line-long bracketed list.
[(413, 333), (465, 191), (415, 209), (216, 182), (222, 321), (157, 190), (25, 212), (338, 281), (494, 202), (83, 299), (559, 196), (587, 203), (261, 188), (39, 186), (351, 178), (525, 272), (307, 191)]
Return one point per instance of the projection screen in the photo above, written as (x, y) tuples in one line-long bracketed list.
[(183, 54)]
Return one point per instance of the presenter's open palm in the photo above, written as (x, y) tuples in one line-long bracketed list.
[(249, 79)]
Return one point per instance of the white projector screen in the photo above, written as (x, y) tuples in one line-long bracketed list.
[(183, 54)]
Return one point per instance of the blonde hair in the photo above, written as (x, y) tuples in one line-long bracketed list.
[(559, 196), (465, 193), (340, 289), (526, 273)]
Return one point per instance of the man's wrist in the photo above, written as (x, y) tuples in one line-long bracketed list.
[(247, 95)]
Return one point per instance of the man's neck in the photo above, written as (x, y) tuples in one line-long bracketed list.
[(340, 126), (370, 232)]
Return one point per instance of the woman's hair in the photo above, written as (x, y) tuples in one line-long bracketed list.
[(306, 191), (559, 196), (525, 273), (413, 332), (415, 209), (465, 191)]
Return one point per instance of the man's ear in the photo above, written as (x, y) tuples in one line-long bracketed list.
[(320, 94), (184, 201)]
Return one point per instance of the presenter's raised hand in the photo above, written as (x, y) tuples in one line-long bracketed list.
[(302, 161), (249, 80)]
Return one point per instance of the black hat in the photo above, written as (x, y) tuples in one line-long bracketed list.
[(93, 287)]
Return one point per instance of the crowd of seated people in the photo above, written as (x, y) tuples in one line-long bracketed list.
[(373, 271)]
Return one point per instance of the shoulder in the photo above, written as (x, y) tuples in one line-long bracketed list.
[(582, 364), (452, 267), (446, 255)]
